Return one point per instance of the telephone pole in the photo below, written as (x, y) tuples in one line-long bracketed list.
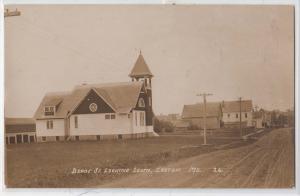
[(241, 131), (8, 13), (204, 127)]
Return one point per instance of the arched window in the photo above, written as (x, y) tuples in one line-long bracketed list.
[(141, 103)]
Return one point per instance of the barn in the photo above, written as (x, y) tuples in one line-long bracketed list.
[(194, 114), (19, 130), (99, 111)]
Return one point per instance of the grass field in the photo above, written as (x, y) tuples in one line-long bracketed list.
[(51, 164)]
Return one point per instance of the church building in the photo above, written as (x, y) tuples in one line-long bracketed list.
[(99, 111)]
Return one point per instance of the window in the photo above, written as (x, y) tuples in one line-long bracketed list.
[(141, 103), (246, 115), (119, 137), (49, 124), (110, 116), (44, 139), (135, 115), (237, 115), (76, 121), (57, 138), (77, 138), (49, 110), (98, 137), (142, 119)]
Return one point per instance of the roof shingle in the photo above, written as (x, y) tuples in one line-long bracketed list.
[(122, 97), (197, 110), (234, 106), (140, 68)]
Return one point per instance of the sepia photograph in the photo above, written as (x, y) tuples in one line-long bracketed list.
[(149, 96)]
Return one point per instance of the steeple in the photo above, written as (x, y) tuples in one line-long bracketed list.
[(140, 69)]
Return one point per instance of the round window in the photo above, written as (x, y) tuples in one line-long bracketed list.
[(93, 107)]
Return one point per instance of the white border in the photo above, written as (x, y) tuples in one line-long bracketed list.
[(135, 192)]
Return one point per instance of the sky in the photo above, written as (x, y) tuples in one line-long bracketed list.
[(229, 51)]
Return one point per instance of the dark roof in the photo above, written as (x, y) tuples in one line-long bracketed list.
[(234, 106), (15, 121), (121, 97), (17, 125), (140, 68), (213, 109)]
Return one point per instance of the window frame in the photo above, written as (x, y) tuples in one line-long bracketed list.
[(107, 116), (141, 103), (49, 124), (76, 122)]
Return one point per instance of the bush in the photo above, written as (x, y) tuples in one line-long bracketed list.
[(161, 125), (193, 127)]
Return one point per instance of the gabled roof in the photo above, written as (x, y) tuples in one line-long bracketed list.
[(234, 106), (140, 68), (122, 97), (54, 102), (213, 109)]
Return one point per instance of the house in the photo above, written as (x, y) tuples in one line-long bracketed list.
[(19, 130), (194, 114), (258, 119), (99, 111), (231, 113)]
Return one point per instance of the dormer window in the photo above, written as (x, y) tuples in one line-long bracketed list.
[(141, 103), (49, 110)]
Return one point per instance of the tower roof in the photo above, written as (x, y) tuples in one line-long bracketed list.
[(140, 68)]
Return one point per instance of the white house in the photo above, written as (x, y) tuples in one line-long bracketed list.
[(99, 111), (231, 111)]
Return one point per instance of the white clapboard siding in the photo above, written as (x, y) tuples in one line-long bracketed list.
[(58, 128), (96, 124)]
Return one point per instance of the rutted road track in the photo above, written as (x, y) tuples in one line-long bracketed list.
[(267, 163)]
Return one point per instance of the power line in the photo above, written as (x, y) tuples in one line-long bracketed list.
[(204, 127), (241, 131)]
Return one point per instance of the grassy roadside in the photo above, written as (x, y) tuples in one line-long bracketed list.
[(51, 164)]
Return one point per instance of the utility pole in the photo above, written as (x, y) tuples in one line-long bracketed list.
[(8, 13), (241, 131), (204, 102)]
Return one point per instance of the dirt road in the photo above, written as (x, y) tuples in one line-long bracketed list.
[(267, 163)]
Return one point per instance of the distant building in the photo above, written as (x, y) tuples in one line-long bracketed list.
[(194, 114), (258, 119), (99, 111), (168, 117), (231, 113), (20, 130)]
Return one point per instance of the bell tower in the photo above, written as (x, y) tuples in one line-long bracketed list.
[(141, 72)]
